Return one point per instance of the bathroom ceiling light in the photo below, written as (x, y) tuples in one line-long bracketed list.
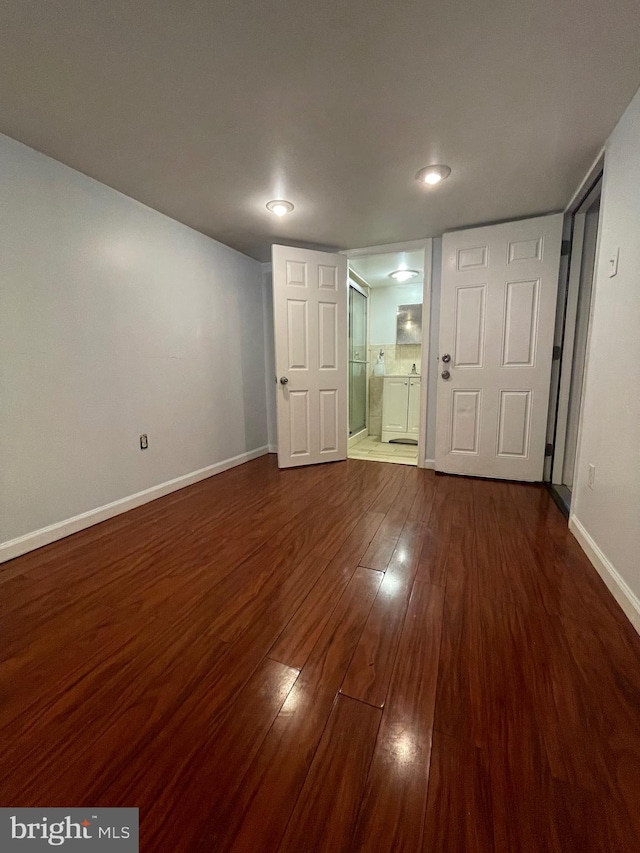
[(433, 174), (279, 206), (403, 275)]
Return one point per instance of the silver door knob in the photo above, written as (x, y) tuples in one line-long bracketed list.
[(446, 374), (446, 358), (283, 380)]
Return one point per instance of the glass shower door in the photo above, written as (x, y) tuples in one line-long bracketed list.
[(357, 361)]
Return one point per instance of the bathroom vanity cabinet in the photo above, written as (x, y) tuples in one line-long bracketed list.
[(400, 407)]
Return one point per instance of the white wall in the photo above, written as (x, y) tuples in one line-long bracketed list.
[(607, 518), (114, 320), (383, 309)]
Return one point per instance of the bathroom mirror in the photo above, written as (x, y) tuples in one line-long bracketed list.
[(409, 324)]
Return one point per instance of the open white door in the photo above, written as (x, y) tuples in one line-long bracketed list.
[(310, 316), (497, 317)]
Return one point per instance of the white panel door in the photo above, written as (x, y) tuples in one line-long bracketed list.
[(310, 317), (497, 316)]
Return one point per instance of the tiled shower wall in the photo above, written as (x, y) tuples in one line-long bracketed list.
[(398, 359)]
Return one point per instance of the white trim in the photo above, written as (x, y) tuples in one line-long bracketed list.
[(30, 541), (588, 353), (430, 464), (617, 585), (273, 448), (357, 286), (408, 246), (554, 380), (566, 360), (570, 328), (596, 167), (424, 361), (595, 194), (568, 294)]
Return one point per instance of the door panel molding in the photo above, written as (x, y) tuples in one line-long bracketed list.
[(465, 421), (519, 331), (468, 350)]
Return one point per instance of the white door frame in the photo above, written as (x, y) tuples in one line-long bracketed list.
[(569, 329), (594, 174), (413, 246)]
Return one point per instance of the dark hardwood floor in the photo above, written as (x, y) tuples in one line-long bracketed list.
[(348, 657)]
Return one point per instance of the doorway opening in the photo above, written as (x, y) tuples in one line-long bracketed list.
[(575, 329), (388, 329)]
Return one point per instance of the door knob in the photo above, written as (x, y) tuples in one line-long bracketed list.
[(446, 358), (283, 380), (446, 374)]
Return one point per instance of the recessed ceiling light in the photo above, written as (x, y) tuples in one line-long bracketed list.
[(279, 206), (403, 275), (433, 174)]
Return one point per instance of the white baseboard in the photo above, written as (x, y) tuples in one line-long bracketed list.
[(46, 535), (273, 448), (430, 464), (617, 585)]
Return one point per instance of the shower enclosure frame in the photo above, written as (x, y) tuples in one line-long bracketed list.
[(364, 430)]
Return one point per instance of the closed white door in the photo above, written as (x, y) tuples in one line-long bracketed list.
[(310, 317), (497, 317)]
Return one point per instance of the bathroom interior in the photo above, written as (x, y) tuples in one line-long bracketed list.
[(385, 355)]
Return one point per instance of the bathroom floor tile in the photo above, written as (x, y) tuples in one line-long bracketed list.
[(375, 450)]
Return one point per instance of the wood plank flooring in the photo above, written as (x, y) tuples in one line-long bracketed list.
[(348, 657)]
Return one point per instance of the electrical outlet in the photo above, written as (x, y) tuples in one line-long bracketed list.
[(144, 441), (592, 475)]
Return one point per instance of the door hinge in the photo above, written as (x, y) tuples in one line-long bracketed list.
[(548, 450), (566, 247), (557, 353)]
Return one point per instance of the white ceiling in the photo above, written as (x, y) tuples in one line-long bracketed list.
[(375, 269), (206, 110)]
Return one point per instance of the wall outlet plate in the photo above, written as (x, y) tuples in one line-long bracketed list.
[(144, 441)]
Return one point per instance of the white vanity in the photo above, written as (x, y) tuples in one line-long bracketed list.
[(400, 407)]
